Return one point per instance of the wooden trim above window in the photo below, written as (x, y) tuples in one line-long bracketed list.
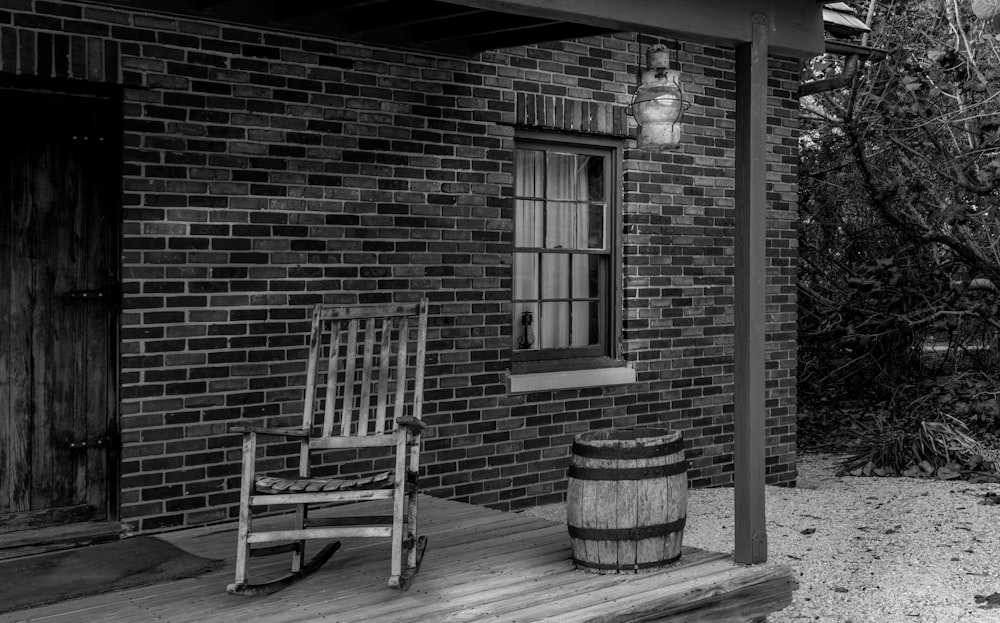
[(552, 112)]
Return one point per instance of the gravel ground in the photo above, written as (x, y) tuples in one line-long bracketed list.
[(880, 550)]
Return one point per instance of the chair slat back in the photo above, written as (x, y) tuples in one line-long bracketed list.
[(383, 375), (373, 371), (332, 370)]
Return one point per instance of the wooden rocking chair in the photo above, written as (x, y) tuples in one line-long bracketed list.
[(364, 381)]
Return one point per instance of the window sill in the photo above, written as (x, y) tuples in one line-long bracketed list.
[(569, 379)]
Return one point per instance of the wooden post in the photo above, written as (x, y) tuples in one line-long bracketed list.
[(750, 273)]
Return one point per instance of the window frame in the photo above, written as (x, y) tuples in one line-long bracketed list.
[(588, 357)]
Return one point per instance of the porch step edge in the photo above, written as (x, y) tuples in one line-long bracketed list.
[(34, 541)]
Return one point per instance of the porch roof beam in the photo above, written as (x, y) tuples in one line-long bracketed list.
[(796, 27)]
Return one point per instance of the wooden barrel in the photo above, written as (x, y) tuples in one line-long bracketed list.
[(627, 499)]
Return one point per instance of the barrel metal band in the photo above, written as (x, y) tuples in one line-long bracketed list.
[(627, 534), (626, 567), (637, 452), (627, 473)]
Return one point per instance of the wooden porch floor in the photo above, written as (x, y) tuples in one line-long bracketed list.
[(481, 565)]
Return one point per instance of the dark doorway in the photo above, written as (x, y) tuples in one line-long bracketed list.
[(59, 245)]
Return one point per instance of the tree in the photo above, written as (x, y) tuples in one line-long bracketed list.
[(900, 201)]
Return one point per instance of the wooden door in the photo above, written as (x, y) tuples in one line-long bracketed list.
[(59, 223)]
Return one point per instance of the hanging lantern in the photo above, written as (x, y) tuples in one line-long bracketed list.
[(658, 103)]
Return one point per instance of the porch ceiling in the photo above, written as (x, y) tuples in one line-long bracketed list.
[(468, 27), (420, 25)]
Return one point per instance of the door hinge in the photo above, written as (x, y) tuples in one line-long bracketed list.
[(94, 442), (109, 294)]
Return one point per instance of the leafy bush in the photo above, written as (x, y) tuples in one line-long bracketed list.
[(946, 427)]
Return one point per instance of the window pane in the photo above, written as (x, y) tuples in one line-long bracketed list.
[(568, 225), (594, 168), (562, 224), (553, 329), (563, 180), (528, 223), (578, 177), (525, 276), (555, 276), (586, 277), (585, 323), (596, 230), (524, 326), (529, 177)]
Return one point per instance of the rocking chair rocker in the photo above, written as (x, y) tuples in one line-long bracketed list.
[(369, 394)]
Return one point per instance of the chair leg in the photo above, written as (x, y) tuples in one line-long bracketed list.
[(414, 545), (242, 558), (411, 512), (246, 518), (416, 550), (299, 555), (399, 507), (396, 568), (406, 496)]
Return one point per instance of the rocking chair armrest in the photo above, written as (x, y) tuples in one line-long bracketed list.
[(277, 432), (414, 425)]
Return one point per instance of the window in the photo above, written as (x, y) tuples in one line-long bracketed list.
[(566, 269)]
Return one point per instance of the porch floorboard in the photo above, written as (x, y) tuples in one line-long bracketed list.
[(480, 565)]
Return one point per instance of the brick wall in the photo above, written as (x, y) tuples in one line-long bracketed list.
[(264, 172)]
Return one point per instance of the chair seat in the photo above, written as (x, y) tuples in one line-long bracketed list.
[(273, 484)]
